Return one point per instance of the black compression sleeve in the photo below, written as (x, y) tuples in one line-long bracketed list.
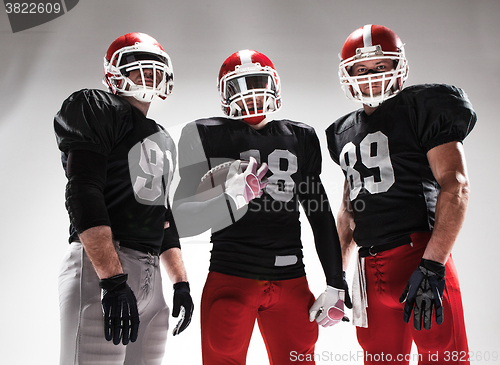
[(86, 172), (316, 206), (170, 234)]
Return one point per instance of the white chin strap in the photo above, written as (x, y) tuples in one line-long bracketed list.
[(144, 95)]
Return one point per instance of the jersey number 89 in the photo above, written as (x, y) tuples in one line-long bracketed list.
[(374, 153)]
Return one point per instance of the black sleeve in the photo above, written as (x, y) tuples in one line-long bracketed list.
[(312, 164), (316, 206), (331, 144), (86, 172), (170, 234), (443, 114)]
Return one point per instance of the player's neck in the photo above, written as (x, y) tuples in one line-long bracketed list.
[(142, 106), (369, 109)]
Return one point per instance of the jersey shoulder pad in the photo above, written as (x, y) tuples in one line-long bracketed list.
[(90, 119), (442, 113), (343, 123), (334, 133), (214, 121), (427, 92), (95, 97), (290, 127), (295, 124)]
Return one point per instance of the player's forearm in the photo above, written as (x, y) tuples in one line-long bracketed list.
[(347, 244), (450, 214), (345, 227), (194, 217), (327, 247), (99, 247), (174, 265), (448, 166), (317, 208)]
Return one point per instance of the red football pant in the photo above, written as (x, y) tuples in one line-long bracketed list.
[(230, 305), (388, 338)]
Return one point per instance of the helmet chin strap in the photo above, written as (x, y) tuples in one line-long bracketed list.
[(144, 97)]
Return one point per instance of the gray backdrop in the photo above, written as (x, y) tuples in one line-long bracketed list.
[(447, 41)]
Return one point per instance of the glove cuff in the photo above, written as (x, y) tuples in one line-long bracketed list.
[(182, 285), (114, 282), (340, 293), (238, 200), (434, 266)]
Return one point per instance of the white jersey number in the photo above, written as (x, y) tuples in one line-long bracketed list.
[(151, 180), (374, 153), (282, 164)]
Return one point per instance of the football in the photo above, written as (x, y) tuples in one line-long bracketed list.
[(215, 177)]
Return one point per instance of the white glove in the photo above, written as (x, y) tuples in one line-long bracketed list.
[(243, 186), (328, 309)]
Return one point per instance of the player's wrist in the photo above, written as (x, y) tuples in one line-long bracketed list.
[(336, 281), (433, 266), (182, 285), (113, 283)]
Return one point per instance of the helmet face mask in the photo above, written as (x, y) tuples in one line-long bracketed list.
[(249, 94), (138, 52), (249, 86), (372, 43)]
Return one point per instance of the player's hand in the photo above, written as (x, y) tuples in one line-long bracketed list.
[(243, 186), (183, 305), (328, 309), (121, 317), (424, 291)]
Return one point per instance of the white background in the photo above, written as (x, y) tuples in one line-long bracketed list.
[(447, 41)]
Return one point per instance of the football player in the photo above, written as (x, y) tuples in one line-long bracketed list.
[(256, 270), (405, 197), (118, 163)]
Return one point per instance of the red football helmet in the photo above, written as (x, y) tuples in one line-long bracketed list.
[(372, 42), (138, 51), (249, 86)]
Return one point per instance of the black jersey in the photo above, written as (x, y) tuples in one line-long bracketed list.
[(393, 192), (140, 159), (269, 231)]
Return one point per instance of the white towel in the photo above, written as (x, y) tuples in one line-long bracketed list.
[(359, 300)]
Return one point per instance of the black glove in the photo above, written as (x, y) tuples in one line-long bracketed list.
[(183, 304), (121, 317), (347, 300), (423, 291)]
